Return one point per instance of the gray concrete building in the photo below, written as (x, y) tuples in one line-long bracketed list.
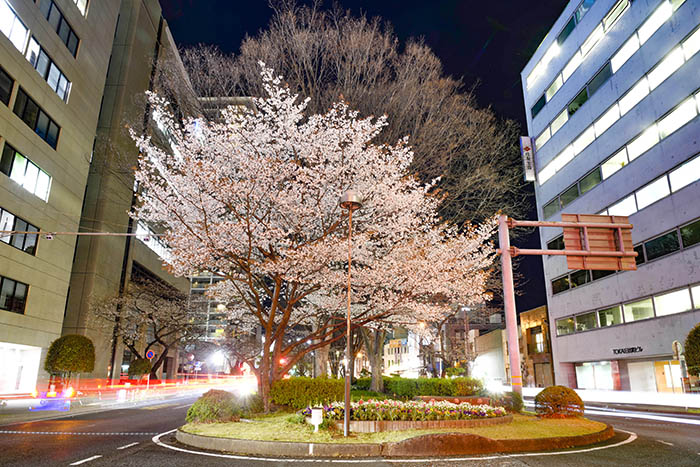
[(71, 73), (612, 102)]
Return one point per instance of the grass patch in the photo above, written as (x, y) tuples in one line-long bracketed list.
[(693, 410), (276, 427)]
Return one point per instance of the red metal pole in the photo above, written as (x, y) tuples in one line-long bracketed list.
[(516, 379), (346, 417)]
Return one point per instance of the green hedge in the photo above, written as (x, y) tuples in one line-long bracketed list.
[(406, 388), (216, 406), (301, 392)]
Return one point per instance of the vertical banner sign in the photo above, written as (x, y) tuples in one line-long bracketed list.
[(528, 158)]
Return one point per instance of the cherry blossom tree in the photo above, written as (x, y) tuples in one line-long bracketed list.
[(255, 198)]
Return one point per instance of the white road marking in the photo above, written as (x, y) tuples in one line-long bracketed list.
[(182, 406), (664, 442), (661, 418), (156, 439), (128, 446), (85, 460), (9, 432)]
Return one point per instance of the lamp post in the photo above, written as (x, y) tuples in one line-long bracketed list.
[(351, 201)]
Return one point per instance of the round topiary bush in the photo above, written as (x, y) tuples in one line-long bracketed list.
[(70, 354), (215, 406), (558, 402), (692, 351), (139, 367)]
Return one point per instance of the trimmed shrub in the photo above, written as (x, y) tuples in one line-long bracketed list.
[(558, 402), (215, 406), (692, 351), (362, 384), (401, 387), (467, 386), (70, 354), (511, 401), (139, 367), (301, 392)]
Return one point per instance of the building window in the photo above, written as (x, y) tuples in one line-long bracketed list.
[(614, 14), (25, 242), (653, 192), (662, 245), (654, 22), (551, 208), (600, 78), (556, 243), (598, 274), (640, 255), (560, 285), (677, 118), (27, 174), (579, 278), (36, 118), (569, 195), (13, 295), (695, 291), (48, 69), (586, 321), (636, 311), (590, 181), (12, 26), (690, 235), (6, 84), (568, 29), (565, 326), (60, 25), (610, 316), (672, 302), (538, 106), (82, 5), (578, 101)]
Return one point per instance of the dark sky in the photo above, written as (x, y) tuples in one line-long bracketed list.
[(484, 42)]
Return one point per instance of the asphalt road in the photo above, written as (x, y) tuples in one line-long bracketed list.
[(124, 437)]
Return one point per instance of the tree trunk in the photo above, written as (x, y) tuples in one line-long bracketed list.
[(374, 344), (321, 361)]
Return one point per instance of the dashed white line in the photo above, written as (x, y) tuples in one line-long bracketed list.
[(156, 439), (128, 446), (85, 460), (12, 432), (664, 442)]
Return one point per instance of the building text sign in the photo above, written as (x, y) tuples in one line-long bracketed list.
[(626, 350), (528, 154)]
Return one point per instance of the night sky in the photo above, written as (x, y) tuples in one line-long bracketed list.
[(484, 43)]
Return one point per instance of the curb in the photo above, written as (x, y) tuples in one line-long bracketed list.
[(440, 444)]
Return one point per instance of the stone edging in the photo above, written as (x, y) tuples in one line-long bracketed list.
[(367, 426), (440, 444)]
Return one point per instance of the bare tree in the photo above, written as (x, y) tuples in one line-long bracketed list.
[(150, 315), (330, 54)]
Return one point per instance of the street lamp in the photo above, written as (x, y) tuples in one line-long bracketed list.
[(351, 201)]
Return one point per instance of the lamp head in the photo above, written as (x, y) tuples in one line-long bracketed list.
[(351, 200)]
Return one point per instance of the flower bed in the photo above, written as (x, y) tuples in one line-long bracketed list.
[(392, 410)]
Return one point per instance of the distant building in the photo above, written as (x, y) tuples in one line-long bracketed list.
[(535, 348), (402, 356), (612, 102), (490, 364)]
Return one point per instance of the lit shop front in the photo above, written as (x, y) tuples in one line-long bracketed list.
[(660, 375), (19, 368)]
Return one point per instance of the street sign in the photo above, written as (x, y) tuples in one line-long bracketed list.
[(150, 354), (608, 241), (528, 154)]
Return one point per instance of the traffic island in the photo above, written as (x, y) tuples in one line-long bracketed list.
[(275, 436)]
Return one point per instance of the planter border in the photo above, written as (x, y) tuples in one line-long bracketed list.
[(440, 444)]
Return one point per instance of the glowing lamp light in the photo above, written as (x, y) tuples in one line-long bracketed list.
[(217, 358), (69, 392)]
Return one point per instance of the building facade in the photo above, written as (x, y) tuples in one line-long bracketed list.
[(53, 63), (612, 102), (535, 348)]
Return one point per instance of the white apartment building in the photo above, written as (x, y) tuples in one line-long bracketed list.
[(612, 98)]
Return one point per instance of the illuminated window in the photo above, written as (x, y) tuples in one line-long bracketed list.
[(615, 13), (571, 66), (558, 122), (635, 311), (695, 291), (592, 40), (12, 26), (655, 21), (543, 138), (565, 326), (554, 88), (625, 52), (643, 142), (584, 140), (610, 316), (614, 164), (668, 65), (563, 158), (25, 173), (586, 321), (691, 45), (607, 119), (625, 207), (636, 94), (672, 302), (24, 241), (685, 174), (47, 69), (653, 192), (82, 5), (546, 173), (679, 117)]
